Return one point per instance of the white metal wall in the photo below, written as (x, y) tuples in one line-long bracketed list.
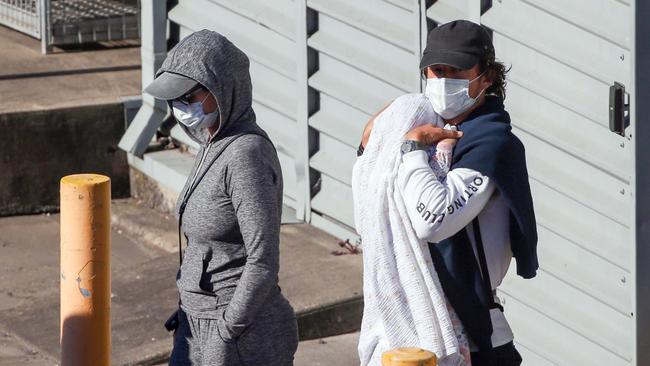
[(367, 54), (361, 56), (265, 31), (564, 57), (320, 68)]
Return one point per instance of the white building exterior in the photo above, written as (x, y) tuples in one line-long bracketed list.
[(320, 68)]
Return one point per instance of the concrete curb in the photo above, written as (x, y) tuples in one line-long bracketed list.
[(153, 230), (153, 354), (331, 319), (41, 146)]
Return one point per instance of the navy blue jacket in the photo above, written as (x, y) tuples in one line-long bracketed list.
[(489, 147)]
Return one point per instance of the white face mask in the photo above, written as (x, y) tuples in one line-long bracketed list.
[(450, 97), (192, 115)]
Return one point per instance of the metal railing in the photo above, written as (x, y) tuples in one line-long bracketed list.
[(65, 22), (22, 15)]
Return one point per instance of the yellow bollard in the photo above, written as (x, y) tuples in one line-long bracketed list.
[(408, 356), (85, 270)]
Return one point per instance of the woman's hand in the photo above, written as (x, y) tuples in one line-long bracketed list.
[(429, 134)]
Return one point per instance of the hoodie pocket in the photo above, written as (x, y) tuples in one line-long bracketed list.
[(194, 293)]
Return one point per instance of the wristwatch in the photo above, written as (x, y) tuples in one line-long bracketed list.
[(412, 145)]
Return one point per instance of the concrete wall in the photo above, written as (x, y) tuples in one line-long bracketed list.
[(38, 148), (151, 193)]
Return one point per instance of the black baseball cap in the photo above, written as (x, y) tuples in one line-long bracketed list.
[(460, 44), (169, 85)]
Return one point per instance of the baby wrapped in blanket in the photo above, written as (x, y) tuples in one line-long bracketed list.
[(404, 305)]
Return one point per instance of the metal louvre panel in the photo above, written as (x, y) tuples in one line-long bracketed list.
[(608, 19), (576, 179), (376, 17), (277, 125), (368, 54), (585, 51), (578, 267), (608, 332), (259, 42), (546, 336), (270, 88), (266, 33), (280, 129), (553, 80), (273, 89), (576, 222), (343, 83), (334, 201), (287, 163), (278, 15), (532, 358), (351, 86), (564, 57), (339, 120), (364, 52), (334, 159), (444, 11), (582, 138), (408, 5)]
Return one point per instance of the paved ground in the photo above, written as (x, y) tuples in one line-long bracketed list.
[(338, 350), (144, 291), (331, 351), (29, 297), (30, 80)]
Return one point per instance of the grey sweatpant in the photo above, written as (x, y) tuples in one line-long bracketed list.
[(269, 340)]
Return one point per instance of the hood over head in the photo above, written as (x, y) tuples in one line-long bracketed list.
[(222, 68)]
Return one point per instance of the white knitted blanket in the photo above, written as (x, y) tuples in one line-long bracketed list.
[(404, 305)]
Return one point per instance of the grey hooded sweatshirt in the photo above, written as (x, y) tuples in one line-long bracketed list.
[(232, 218)]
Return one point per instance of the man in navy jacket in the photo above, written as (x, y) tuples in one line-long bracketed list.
[(481, 215)]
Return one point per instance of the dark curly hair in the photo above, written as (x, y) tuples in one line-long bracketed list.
[(496, 72)]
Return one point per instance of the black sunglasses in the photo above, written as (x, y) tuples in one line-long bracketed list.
[(185, 99)]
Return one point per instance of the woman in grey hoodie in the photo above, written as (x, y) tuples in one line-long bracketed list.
[(231, 309)]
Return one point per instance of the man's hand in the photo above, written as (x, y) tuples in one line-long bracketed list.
[(429, 134)]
